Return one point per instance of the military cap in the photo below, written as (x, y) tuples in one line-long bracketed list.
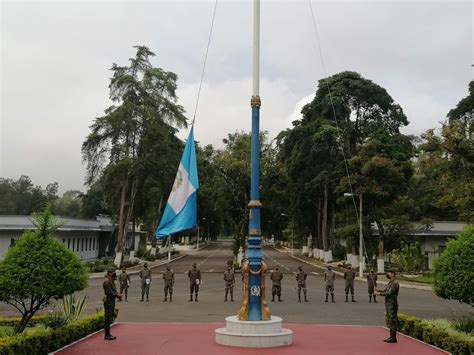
[(110, 270)]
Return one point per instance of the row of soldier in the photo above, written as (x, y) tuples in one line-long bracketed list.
[(194, 275)]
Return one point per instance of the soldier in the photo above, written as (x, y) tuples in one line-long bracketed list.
[(229, 279), (145, 276), (124, 282), (194, 281), (391, 304), (349, 276), (329, 277), (276, 278), (110, 294), (168, 278), (371, 284), (301, 279)]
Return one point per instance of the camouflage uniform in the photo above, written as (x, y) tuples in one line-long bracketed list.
[(349, 276), (371, 284), (276, 278), (194, 274), (391, 305), (301, 279), (145, 274), (168, 278), (124, 282), (329, 277), (109, 305), (229, 279)]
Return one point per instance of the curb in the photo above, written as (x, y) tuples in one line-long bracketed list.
[(404, 285), (134, 272)]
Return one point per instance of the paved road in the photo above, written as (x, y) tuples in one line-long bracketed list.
[(211, 308)]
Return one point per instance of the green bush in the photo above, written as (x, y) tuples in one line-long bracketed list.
[(453, 270), (465, 324), (338, 252), (408, 258), (439, 333), (55, 320), (43, 341), (15, 321)]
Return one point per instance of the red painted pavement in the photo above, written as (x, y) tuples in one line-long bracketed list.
[(198, 339)]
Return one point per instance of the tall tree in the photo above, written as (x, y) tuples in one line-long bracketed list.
[(144, 100)]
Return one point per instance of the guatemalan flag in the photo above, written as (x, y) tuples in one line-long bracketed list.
[(181, 209)]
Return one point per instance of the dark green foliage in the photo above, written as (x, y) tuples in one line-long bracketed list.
[(453, 271), (408, 258), (339, 252), (465, 324), (437, 334), (44, 341), (39, 268)]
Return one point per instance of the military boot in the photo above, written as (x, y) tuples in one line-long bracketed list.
[(190, 298), (196, 297), (332, 298), (347, 297), (305, 298), (279, 299), (327, 296), (171, 298), (353, 300), (392, 338), (370, 298), (375, 299)]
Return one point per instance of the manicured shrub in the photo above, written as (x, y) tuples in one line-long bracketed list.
[(44, 340), (440, 333)]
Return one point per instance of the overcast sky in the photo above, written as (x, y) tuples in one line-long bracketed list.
[(55, 58)]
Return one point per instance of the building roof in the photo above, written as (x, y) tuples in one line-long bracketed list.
[(67, 223), (442, 228)]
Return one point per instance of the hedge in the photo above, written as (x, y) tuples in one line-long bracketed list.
[(43, 341), (14, 321), (454, 342)]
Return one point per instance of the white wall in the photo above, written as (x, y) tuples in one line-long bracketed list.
[(85, 247)]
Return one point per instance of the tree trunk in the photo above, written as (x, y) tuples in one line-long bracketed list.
[(325, 219), (332, 227), (121, 219), (318, 229), (381, 248)]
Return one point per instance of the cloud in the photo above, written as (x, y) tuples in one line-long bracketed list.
[(56, 56)]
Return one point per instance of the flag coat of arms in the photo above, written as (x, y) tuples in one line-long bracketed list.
[(181, 208)]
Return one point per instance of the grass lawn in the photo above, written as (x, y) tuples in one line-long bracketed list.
[(425, 279)]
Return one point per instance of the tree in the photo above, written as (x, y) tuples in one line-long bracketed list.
[(38, 269), (453, 269), (69, 204), (144, 100)]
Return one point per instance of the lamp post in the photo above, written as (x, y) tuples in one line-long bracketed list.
[(361, 234)]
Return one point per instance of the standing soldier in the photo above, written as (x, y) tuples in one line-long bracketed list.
[(371, 284), (194, 281), (124, 282), (109, 302), (301, 279), (349, 276), (229, 279), (391, 304), (168, 278), (145, 276), (329, 277), (276, 278)]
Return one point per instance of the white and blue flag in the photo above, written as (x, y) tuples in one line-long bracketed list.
[(181, 208)]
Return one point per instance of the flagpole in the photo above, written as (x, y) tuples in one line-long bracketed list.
[(254, 250), (169, 248)]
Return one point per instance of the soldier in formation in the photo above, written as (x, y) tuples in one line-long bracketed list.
[(194, 281), (371, 284), (329, 277), (229, 279), (110, 294), (276, 278), (145, 277), (124, 282), (168, 278), (391, 304), (349, 276), (301, 279)]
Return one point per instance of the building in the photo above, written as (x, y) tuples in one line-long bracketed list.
[(433, 240), (87, 238)]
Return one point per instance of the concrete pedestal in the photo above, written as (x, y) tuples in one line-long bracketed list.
[(254, 334)]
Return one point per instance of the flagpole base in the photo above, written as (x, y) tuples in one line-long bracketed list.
[(254, 334)]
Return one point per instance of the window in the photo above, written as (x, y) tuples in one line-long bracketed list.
[(69, 243), (90, 243), (441, 248), (73, 244), (82, 244), (93, 243), (64, 240), (12, 242)]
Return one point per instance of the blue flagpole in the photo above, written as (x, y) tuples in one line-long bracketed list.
[(254, 250)]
